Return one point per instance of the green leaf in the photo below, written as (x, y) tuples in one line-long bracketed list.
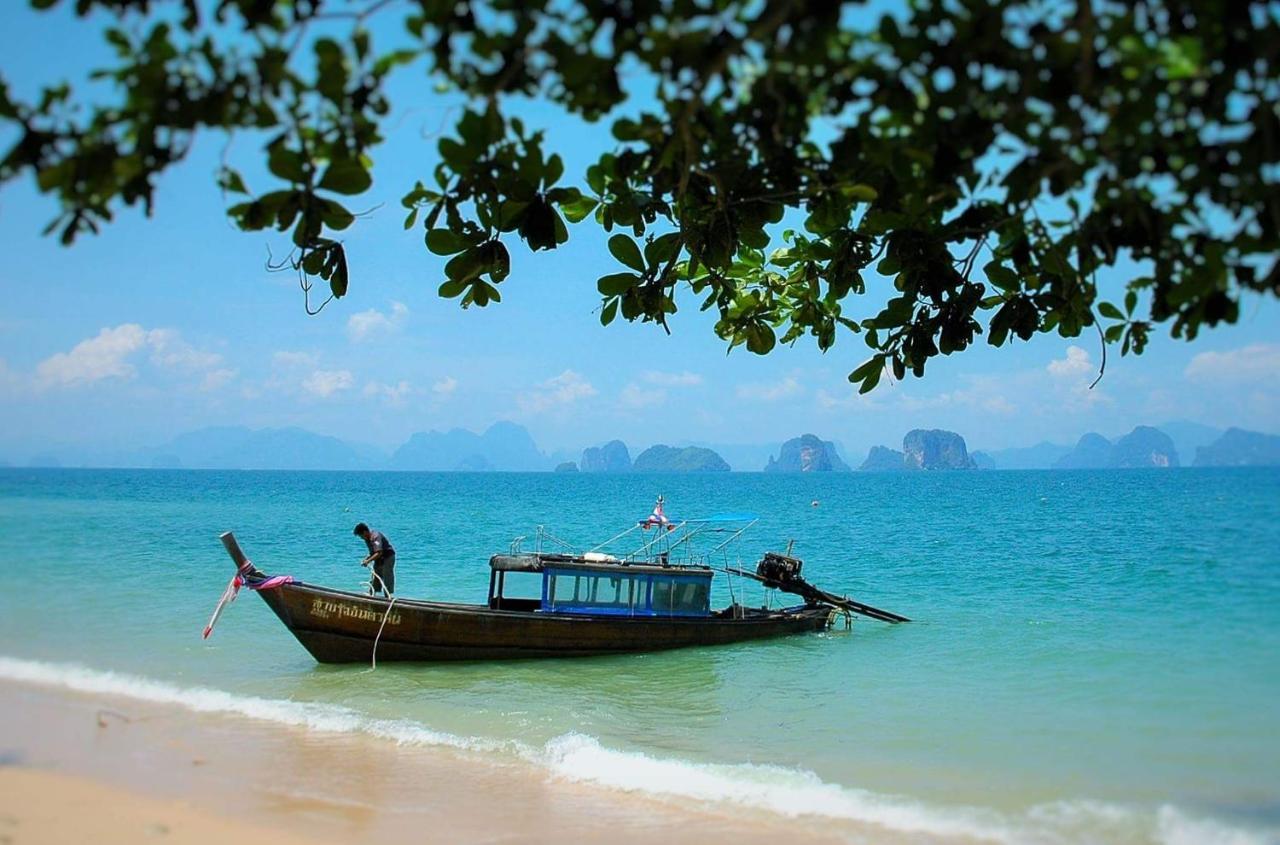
[(616, 284), (346, 177), (870, 381), (230, 181), (1106, 309), (452, 289), (860, 193), (445, 242), (1002, 277), (662, 249), (338, 279), (625, 250), (555, 169), (335, 216), (465, 266), (876, 362), (454, 154), (609, 311), (510, 215), (286, 164), (538, 226), (760, 339), (496, 261), (577, 210)]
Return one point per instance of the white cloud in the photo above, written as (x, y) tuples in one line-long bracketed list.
[(371, 323), (1075, 365), (102, 357), (663, 379), (1258, 362), (287, 360), (848, 400), (445, 386), (770, 391), (564, 389), (984, 393), (393, 393), (168, 349), (215, 379), (325, 383), (110, 354), (635, 396)]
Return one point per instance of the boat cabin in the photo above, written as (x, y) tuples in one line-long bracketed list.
[(600, 585)]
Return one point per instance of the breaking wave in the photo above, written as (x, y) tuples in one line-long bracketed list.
[(784, 791)]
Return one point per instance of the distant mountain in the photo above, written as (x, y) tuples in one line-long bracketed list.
[(1093, 451), (1188, 436), (670, 459), (1040, 456), (935, 449), (807, 453), (503, 446), (566, 466), (883, 459), (1240, 448), (741, 457), (1143, 447), (237, 447), (611, 457), (982, 460), (510, 447)]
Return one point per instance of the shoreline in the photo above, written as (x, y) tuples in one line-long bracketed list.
[(326, 773), (132, 765)]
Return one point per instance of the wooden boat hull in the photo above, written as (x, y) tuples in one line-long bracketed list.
[(341, 627)]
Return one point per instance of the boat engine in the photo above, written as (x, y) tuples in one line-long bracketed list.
[(782, 572), (780, 568)]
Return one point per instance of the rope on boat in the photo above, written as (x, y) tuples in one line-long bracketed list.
[(373, 660)]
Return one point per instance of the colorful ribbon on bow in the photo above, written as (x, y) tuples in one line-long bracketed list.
[(233, 589)]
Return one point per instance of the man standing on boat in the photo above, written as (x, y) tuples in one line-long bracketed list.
[(383, 557)]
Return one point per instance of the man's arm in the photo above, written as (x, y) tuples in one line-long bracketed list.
[(377, 550)]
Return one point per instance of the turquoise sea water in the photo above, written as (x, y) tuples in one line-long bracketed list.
[(1096, 654)]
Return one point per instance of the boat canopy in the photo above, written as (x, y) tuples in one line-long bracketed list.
[(599, 563), (516, 563)]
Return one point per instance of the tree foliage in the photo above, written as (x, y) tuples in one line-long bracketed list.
[(802, 168)]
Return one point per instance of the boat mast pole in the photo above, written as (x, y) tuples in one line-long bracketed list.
[(612, 539)]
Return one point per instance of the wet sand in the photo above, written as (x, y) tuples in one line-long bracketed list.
[(95, 768), (44, 808)]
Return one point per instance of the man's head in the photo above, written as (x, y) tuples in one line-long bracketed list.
[(362, 531)]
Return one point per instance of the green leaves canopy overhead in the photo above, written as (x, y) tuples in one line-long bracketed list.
[(955, 169)]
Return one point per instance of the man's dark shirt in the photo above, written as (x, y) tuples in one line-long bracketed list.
[(379, 545)]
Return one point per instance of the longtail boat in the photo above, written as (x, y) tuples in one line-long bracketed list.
[(591, 602)]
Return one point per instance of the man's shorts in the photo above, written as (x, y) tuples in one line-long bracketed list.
[(385, 572)]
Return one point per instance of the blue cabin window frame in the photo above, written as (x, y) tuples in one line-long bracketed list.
[(684, 594)]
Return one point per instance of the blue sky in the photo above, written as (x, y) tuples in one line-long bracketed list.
[(162, 325)]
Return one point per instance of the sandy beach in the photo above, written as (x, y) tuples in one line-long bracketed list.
[(81, 767)]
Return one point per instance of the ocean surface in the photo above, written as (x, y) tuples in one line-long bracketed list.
[(1095, 656)]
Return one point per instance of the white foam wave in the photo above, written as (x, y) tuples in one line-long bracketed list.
[(784, 791), (789, 792), (325, 718)]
